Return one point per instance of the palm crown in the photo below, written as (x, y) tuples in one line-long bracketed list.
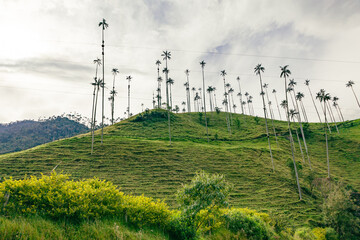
[(258, 69), (103, 24), (349, 83), (285, 72)]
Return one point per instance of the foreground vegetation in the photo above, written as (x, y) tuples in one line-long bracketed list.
[(137, 157), (57, 208)]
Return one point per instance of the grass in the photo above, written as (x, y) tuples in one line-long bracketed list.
[(40, 228), (136, 156)]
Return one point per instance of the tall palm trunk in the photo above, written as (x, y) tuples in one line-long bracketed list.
[(299, 142), (167, 100), (226, 109), (302, 131), (277, 104), (266, 124), (103, 82), (215, 103), (92, 120), (128, 99), (188, 93), (357, 100), (292, 141), (207, 133), (241, 104), (327, 123), (159, 87), (304, 111), (211, 107), (312, 98), (332, 116), (326, 140), (338, 107), (271, 116), (170, 97)]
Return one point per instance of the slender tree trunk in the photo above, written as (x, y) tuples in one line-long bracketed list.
[(103, 87), (159, 88), (332, 116), (357, 100), (277, 104), (340, 112), (304, 111), (297, 135), (129, 99), (292, 141), (92, 120), (326, 120), (267, 129), (326, 140), (211, 109), (188, 91), (167, 100), (226, 107), (271, 116), (312, 98), (302, 131), (215, 99), (207, 133), (241, 104)]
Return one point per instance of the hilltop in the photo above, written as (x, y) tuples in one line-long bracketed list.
[(136, 155)]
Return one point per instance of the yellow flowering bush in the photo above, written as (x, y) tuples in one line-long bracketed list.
[(57, 197)]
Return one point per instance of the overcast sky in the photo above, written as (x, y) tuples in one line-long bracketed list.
[(47, 50)]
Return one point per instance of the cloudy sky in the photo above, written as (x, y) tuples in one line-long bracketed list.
[(47, 50)]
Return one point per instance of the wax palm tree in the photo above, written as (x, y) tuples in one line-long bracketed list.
[(292, 84), (196, 100), (244, 104), (202, 64), (157, 63), (153, 101), (336, 105), (350, 84), (293, 114), (170, 82), (104, 25), (183, 104), (285, 72), (231, 94), (318, 97), (97, 62), (247, 101), (167, 56), (128, 78), (251, 104), (307, 83), (194, 90), (265, 86), (223, 74), (277, 104), (96, 85), (332, 116), (240, 95), (114, 71), (209, 90), (159, 91), (215, 103), (325, 97), (187, 72), (258, 70), (299, 96), (201, 102)]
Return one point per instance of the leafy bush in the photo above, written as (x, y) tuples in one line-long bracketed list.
[(252, 227), (304, 233), (180, 227), (153, 115), (57, 197)]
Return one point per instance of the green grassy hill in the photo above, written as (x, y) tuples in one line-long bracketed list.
[(136, 155)]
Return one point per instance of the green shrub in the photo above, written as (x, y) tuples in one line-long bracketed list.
[(57, 197), (252, 227), (304, 233), (331, 234), (180, 227)]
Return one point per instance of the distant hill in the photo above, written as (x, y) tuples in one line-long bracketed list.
[(26, 134)]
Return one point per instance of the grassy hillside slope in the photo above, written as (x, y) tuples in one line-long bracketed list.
[(136, 155)]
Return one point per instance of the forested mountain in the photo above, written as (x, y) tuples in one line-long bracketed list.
[(25, 134)]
